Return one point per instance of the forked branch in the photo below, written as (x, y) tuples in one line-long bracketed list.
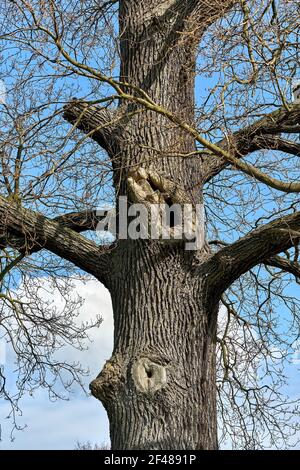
[(262, 134), (284, 264), (35, 232), (259, 246)]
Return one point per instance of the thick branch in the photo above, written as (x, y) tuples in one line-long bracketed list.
[(77, 221), (201, 13), (284, 264), (37, 231), (81, 221), (263, 134), (259, 245), (210, 11), (97, 123), (275, 142)]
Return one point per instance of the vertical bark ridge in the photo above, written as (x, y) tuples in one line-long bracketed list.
[(156, 57), (161, 317)]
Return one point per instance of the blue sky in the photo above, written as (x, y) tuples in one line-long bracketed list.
[(60, 424)]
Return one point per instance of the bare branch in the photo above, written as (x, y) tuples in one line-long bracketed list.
[(77, 221), (259, 245), (275, 142), (81, 221), (284, 264), (37, 232), (263, 134)]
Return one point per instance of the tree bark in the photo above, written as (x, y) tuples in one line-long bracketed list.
[(159, 386)]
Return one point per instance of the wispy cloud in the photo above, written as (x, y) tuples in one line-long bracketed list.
[(60, 424)]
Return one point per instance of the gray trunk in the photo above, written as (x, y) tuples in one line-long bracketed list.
[(159, 386)]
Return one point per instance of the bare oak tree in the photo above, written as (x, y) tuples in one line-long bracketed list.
[(232, 144)]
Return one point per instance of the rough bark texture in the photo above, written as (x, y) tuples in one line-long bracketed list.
[(159, 386)]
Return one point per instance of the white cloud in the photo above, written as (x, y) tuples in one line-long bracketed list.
[(2, 92), (97, 302), (61, 424)]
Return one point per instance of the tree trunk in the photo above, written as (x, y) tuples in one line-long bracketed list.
[(159, 386)]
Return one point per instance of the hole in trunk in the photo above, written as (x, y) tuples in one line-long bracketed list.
[(148, 376)]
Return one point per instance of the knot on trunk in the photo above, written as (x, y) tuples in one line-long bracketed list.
[(148, 376), (107, 383)]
